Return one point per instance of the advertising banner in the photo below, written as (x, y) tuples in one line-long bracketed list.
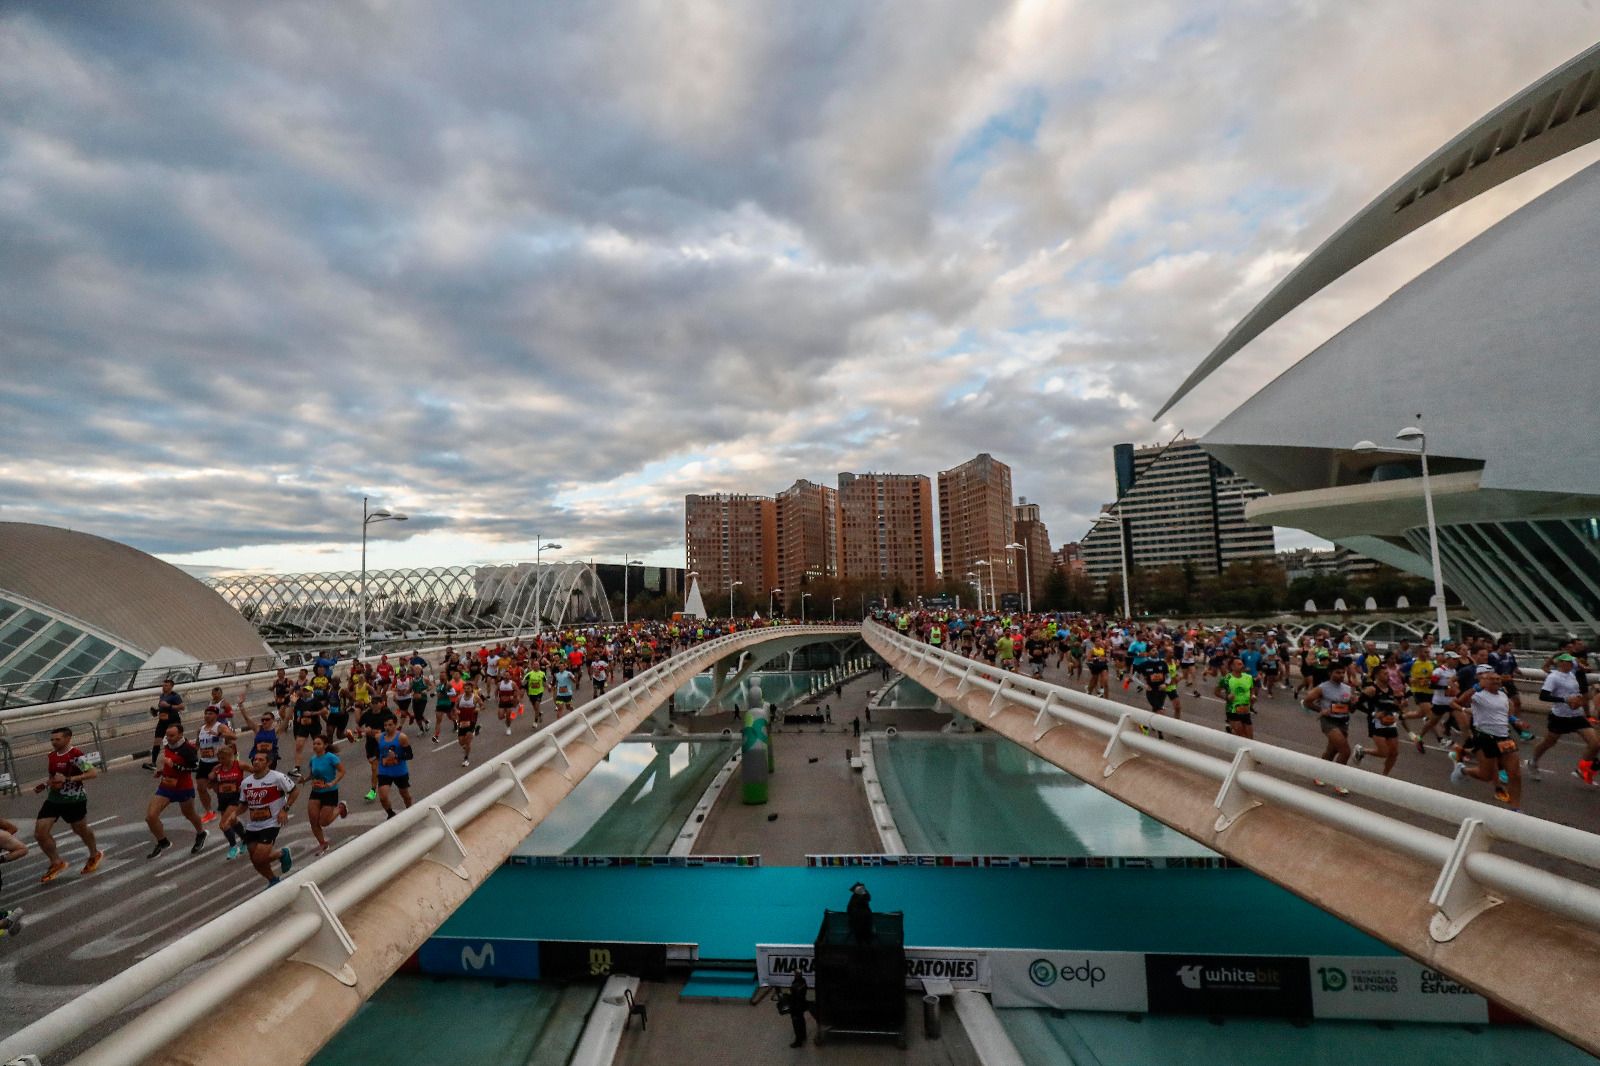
[(1069, 980), (468, 957), (1397, 989), (776, 964), (568, 960), (1275, 985)]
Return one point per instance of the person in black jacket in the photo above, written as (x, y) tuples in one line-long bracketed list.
[(796, 1004)]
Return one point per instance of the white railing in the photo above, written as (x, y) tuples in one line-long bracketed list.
[(1472, 878), (303, 910)]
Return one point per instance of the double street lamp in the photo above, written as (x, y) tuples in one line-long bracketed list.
[(538, 583), (804, 596), (1122, 553), (731, 587), (367, 518), (833, 614), (771, 599), (1415, 433), (1027, 575), (994, 599)]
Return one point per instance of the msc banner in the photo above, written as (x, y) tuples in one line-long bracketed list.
[(1069, 980), (776, 964), (1397, 989)]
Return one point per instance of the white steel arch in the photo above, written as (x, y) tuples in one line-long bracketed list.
[(510, 596)]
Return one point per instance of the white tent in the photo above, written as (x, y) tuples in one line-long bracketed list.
[(693, 605)]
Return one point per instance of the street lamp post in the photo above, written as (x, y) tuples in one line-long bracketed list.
[(731, 587), (804, 596), (627, 562), (1415, 433), (367, 518), (538, 582), (1122, 553), (1027, 576), (833, 610), (994, 599), (771, 599)]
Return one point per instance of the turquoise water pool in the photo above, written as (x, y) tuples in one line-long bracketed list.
[(982, 794), (474, 1021), (633, 802), (1138, 1040), (776, 688)]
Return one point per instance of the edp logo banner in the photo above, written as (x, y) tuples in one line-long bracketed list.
[(1398, 989), (1068, 980)]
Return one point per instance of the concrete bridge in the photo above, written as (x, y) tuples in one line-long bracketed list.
[(1503, 902)]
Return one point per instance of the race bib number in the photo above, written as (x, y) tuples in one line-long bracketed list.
[(259, 814), (1340, 710)]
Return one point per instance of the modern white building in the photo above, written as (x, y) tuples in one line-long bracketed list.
[(1494, 353)]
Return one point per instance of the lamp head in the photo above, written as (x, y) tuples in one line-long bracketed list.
[(1364, 446), (1013, 547), (1411, 433), (553, 547), (377, 514)]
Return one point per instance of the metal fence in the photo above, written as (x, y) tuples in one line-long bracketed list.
[(298, 919), (1471, 874)]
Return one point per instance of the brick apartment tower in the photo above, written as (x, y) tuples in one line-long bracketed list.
[(808, 541), (1032, 534), (886, 529), (976, 522), (732, 537)]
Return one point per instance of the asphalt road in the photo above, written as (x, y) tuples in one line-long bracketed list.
[(79, 930)]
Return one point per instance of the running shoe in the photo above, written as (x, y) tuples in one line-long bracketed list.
[(1534, 769), (161, 845), (1455, 756), (1422, 749), (344, 809), (1525, 734), (372, 795), (1458, 775), (56, 870), (199, 842), (11, 922), (233, 852), (1504, 778), (208, 818), (508, 729), (436, 738), (320, 850), (1319, 782), (466, 762), (147, 766), (1585, 771), (94, 863), (272, 881), (1340, 790), (1357, 754), (1502, 794), (286, 861)]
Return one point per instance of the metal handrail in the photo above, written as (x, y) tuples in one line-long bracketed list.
[(1469, 871), (304, 906)]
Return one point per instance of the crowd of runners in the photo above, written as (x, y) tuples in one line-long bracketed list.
[(1467, 698), (242, 768)]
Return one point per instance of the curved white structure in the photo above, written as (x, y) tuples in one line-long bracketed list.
[(1554, 115), (1491, 352)]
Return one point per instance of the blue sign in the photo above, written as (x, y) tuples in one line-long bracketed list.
[(473, 957)]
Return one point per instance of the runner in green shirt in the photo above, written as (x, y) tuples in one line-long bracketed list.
[(1238, 689)]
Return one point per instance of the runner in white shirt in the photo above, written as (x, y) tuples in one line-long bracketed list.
[(1568, 714), (1491, 739), (267, 795), (208, 741)]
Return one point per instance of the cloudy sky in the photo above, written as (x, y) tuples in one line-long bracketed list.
[(541, 269)]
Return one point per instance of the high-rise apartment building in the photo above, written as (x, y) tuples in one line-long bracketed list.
[(1069, 558), (730, 538), (808, 536), (1035, 540), (1177, 506), (976, 522), (886, 528)]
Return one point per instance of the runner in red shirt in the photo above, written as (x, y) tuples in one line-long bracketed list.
[(68, 769), (174, 784)]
